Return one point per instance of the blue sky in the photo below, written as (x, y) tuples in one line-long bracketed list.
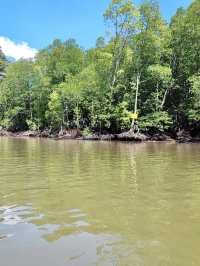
[(38, 22)]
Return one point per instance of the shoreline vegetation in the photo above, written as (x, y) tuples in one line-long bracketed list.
[(181, 137), (144, 76)]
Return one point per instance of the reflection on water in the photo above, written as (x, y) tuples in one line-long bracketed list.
[(98, 203)]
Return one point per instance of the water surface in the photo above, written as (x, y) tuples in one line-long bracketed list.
[(99, 203)]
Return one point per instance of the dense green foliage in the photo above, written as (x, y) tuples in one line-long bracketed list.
[(147, 67), (2, 64)]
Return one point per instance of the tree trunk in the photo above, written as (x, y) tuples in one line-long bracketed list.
[(157, 97), (77, 116), (134, 127), (164, 100), (136, 94)]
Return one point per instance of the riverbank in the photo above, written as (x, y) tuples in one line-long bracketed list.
[(181, 136)]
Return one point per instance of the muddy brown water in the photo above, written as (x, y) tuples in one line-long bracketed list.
[(99, 203)]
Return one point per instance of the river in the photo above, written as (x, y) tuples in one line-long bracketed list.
[(66, 203)]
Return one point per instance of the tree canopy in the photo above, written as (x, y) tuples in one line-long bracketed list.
[(147, 66)]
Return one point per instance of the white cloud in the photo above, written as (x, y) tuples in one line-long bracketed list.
[(16, 50)]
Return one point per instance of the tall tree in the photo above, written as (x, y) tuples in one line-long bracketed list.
[(60, 60), (185, 43), (123, 17), (150, 47)]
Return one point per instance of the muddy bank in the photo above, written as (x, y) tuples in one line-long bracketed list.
[(77, 134), (182, 136), (186, 136)]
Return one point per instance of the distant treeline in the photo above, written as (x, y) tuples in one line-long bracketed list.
[(146, 67)]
